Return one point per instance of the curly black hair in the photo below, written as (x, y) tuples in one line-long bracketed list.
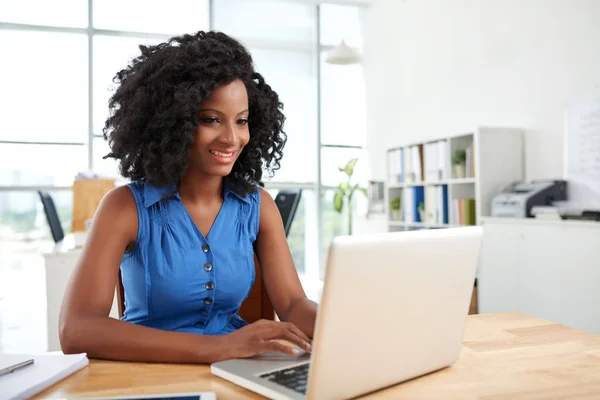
[(154, 111)]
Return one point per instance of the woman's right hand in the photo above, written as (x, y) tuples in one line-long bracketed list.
[(266, 335)]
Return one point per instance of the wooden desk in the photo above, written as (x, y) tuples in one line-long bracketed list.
[(505, 356)]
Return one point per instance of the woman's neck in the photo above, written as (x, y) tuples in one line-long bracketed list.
[(194, 188)]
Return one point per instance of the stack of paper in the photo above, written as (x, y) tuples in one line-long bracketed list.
[(46, 370)]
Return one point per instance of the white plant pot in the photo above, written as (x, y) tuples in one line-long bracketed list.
[(459, 171)]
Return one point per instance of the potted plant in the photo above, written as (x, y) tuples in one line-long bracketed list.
[(458, 162), (395, 206), (422, 214), (345, 191)]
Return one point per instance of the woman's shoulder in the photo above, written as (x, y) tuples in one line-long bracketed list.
[(120, 200)]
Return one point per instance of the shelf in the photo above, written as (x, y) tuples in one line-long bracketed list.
[(424, 225), (493, 159), (419, 225), (461, 181)]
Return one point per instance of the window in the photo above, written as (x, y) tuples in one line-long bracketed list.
[(292, 75), (111, 54), (41, 165), (333, 158), (105, 167), (270, 22), (23, 221), (340, 22), (51, 134), (301, 238), (343, 119), (44, 85), (68, 13), (152, 16), (343, 107)]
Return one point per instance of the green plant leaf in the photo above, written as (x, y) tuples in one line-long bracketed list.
[(349, 168), (338, 201), (343, 187), (364, 191)]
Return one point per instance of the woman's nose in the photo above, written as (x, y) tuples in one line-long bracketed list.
[(229, 134)]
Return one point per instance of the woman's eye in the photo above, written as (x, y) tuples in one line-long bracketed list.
[(242, 121), (209, 120)]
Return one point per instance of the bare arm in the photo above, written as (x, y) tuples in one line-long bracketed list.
[(84, 322), (281, 279)]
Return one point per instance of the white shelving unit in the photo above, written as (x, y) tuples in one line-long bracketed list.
[(422, 172)]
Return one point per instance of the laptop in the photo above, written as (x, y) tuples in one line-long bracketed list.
[(394, 307)]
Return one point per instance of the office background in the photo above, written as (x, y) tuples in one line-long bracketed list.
[(428, 69)]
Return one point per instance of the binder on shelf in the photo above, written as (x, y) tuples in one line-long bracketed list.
[(443, 204), (400, 164), (409, 172), (418, 198), (464, 211), (442, 160), (396, 166)]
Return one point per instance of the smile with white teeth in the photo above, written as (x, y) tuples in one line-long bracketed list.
[(220, 154)]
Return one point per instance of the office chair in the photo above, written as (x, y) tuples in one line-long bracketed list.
[(287, 202), (52, 216)]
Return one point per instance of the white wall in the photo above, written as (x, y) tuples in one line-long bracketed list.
[(439, 67)]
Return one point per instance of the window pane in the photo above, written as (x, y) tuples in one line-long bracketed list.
[(152, 16), (340, 22), (343, 104), (267, 20), (44, 94), (334, 158), (68, 13), (296, 237), (47, 165), (292, 75), (22, 218), (105, 167), (301, 238), (333, 223), (111, 54), (24, 238)]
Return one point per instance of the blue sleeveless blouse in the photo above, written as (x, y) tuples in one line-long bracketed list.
[(178, 280)]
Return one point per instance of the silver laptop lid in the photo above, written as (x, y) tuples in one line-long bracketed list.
[(394, 307)]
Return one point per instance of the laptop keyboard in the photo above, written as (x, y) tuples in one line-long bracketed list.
[(294, 378)]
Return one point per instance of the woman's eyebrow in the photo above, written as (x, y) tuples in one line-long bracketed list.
[(210, 109)]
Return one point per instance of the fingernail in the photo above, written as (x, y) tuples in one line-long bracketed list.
[(308, 347), (295, 351)]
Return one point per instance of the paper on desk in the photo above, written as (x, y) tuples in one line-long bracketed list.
[(45, 372)]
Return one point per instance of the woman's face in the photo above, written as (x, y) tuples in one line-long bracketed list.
[(222, 130)]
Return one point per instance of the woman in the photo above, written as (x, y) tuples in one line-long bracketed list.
[(193, 126)]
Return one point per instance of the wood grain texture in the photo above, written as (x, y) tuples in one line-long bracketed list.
[(87, 194), (504, 356)]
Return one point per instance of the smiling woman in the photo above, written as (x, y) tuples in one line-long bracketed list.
[(193, 125)]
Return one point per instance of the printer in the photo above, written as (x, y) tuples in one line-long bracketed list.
[(517, 199)]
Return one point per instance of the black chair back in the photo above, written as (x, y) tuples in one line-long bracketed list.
[(52, 216), (287, 202)]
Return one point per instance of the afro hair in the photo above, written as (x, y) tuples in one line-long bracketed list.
[(154, 110)]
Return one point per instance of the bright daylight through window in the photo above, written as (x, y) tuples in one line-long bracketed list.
[(54, 127)]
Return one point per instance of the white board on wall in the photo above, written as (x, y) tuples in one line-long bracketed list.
[(582, 153)]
